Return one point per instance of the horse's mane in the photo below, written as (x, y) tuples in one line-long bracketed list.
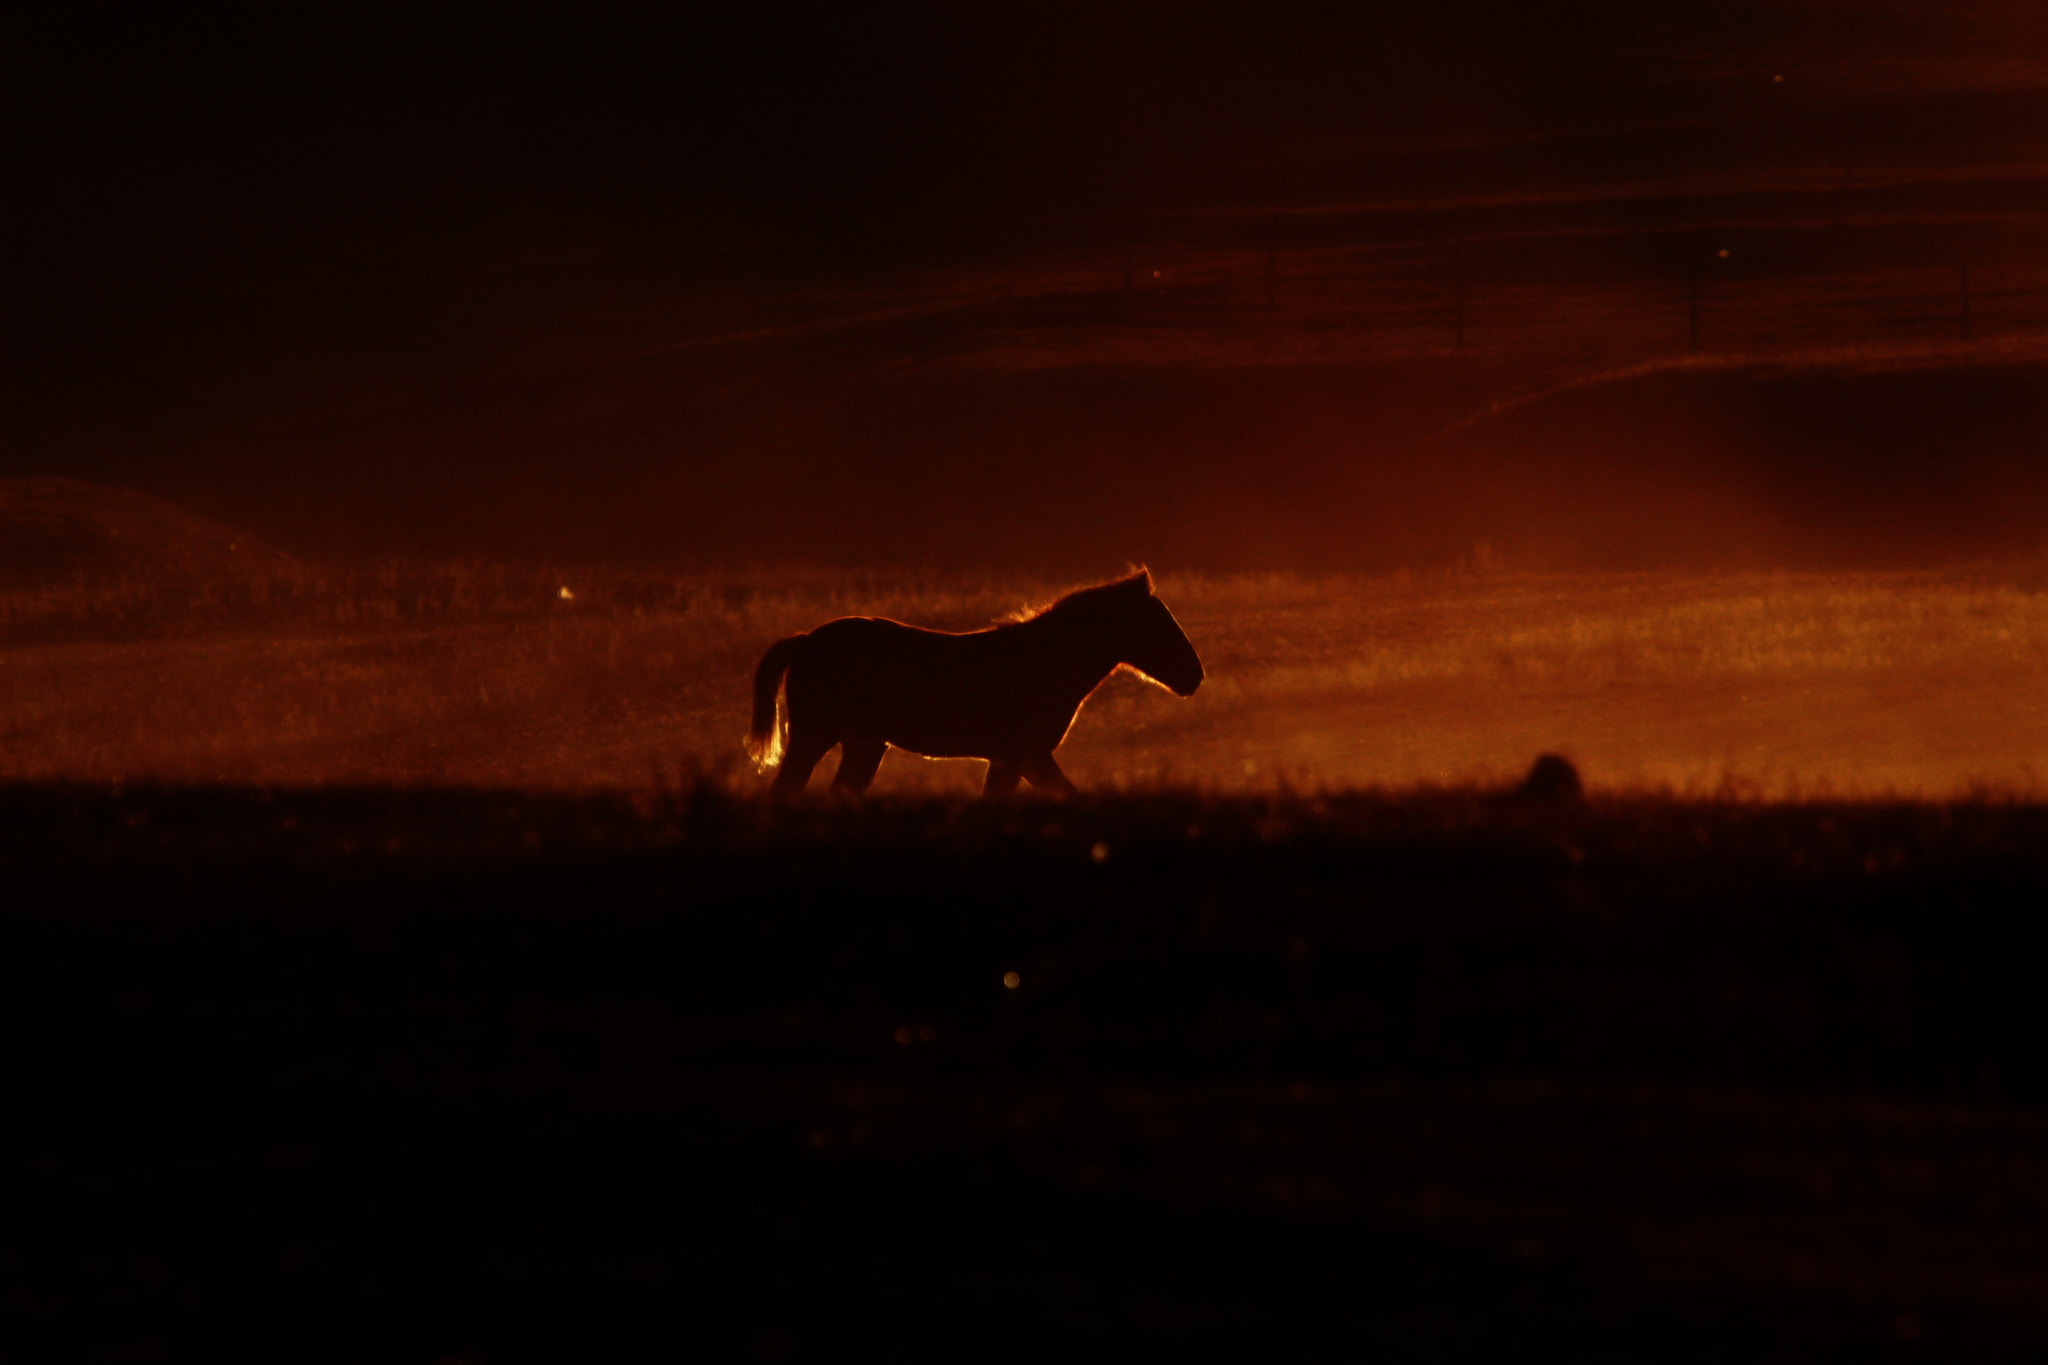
[(1138, 582)]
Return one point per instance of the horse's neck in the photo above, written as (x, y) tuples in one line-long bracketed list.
[(1081, 657)]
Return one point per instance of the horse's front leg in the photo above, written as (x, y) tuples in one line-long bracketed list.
[(858, 760), (1001, 780), (1044, 774)]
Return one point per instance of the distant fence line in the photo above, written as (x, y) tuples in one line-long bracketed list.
[(1742, 289)]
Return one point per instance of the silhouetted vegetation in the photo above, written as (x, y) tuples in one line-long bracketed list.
[(405, 1074)]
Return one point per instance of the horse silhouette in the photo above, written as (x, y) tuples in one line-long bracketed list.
[(1007, 694)]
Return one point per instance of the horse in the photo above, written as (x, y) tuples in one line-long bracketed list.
[(1008, 693)]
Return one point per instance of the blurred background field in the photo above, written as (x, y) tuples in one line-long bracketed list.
[(1758, 685)]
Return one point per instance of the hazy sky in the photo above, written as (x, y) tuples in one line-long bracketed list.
[(207, 182), (254, 247)]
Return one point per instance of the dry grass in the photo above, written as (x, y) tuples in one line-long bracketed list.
[(1763, 685)]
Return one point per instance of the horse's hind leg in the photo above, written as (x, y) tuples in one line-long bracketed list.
[(798, 759), (1001, 780), (858, 759), (1045, 775)]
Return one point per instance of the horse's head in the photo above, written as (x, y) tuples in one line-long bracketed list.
[(1152, 641)]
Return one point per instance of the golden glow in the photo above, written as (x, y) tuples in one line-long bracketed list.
[(1142, 676), (1011, 981), (1918, 685)]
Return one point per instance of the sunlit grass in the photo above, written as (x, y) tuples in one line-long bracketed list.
[(1772, 685), (1761, 685)]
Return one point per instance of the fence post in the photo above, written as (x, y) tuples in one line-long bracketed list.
[(1692, 310), (1458, 296), (1964, 272)]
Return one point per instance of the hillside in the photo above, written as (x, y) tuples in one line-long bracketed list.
[(61, 530), (1837, 460)]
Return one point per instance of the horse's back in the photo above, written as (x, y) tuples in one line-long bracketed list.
[(876, 641), (930, 691)]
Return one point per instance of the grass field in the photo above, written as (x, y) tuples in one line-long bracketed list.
[(1766, 685), (413, 1075), (400, 965), (398, 961)]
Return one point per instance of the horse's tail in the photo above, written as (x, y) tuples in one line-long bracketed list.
[(764, 736)]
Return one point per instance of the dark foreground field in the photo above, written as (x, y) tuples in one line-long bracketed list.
[(412, 1076)]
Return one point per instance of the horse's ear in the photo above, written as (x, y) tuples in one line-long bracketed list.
[(1140, 580)]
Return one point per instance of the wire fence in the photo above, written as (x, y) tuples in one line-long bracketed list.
[(1839, 287)]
